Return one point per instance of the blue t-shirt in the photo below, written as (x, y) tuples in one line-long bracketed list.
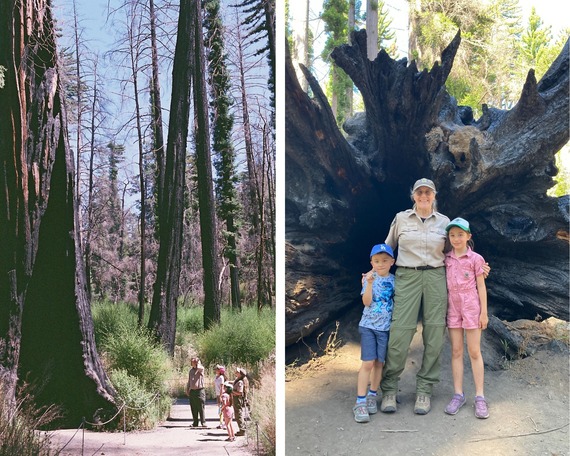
[(379, 313)]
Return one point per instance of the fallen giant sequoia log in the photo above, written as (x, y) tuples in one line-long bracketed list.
[(342, 194)]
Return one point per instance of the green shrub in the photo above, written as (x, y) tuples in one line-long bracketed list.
[(134, 351), (109, 318), (142, 408), (139, 370), (189, 322), (244, 337)]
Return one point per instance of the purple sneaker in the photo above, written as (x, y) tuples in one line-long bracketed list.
[(481, 408), (457, 401)]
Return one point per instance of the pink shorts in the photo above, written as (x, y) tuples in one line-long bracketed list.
[(228, 413), (463, 310)]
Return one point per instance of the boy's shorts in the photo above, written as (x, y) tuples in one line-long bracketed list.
[(373, 344)]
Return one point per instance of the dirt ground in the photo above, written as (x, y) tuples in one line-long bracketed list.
[(173, 437), (528, 405)]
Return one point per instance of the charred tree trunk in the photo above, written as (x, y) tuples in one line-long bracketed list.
[(46, 329), (170, 211), (158, 148), (493, 171), (212, 307)]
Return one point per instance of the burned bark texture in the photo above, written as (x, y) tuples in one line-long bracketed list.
[(46, 329), (342, 194), (162, 319)]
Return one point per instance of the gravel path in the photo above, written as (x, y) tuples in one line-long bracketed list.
[(171, 438), (528, 403)]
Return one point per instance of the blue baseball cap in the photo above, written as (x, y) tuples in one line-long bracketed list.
[(381, 248), (460, 223)]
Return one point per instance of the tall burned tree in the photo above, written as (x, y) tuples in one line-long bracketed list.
[(170, 206), (158, 149), (46, 329), (494, 171), (212, 310)]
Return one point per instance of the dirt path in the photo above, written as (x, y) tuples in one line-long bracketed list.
[(531, 397), (173, 437)]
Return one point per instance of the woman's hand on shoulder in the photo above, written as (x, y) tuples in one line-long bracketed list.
[(486, 269), (368, 276)]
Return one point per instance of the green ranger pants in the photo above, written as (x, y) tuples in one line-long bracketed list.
[(418, 294)]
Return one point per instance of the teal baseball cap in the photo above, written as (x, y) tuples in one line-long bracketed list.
[(460, 223), (381, 248)]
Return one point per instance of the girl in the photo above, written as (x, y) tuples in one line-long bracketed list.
[(228, 410), (467, 312), (218, 387)]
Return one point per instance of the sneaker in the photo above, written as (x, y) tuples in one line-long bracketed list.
[(361, 413), (239, 433), (481, 407), (388, 404), (457, 401), (371, 404), (423, 405)]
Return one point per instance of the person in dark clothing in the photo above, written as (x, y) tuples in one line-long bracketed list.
[(196, 392)]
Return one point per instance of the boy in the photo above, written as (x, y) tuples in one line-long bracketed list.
[(377, 297)]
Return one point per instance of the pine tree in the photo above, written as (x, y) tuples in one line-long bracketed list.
[(222, 121), (535, 44), (335, 17), (260, 23)]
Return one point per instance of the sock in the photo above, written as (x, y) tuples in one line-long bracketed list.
[(373, 393), (361, 399)]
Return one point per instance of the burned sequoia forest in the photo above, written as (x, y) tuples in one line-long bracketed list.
[(342, 193)]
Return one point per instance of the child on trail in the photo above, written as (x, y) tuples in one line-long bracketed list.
[(218, 387), (377, 297), (228, 410), (467, 312)]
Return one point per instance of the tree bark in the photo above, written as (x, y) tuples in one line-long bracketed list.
[(46, 329), (212, 309), (162, 319), (158, 149), (493, 171)]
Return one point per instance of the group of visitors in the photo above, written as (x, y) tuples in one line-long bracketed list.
[(439, 280), (231, 397)]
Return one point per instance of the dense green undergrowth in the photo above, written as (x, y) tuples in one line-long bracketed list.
[(147, 379)]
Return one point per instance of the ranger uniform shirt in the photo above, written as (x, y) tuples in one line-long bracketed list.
[(196, 378), (420, 243)]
